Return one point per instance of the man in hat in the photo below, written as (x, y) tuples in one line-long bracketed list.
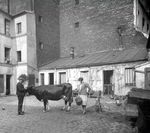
[(83, 90), (21, 91)]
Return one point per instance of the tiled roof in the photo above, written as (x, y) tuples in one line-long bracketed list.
[(99, 58)]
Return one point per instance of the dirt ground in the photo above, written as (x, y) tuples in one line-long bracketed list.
[(111, 120)]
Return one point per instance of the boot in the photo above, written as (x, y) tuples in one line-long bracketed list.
[(84, 109)]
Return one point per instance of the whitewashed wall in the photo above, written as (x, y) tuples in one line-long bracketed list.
[(95, 76)]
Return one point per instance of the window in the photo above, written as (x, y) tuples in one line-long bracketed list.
[(76, 2), (143, 22), (129, 76), (7, 27), (19, 56), (138, 12), (41, 45), (7, 55), (42, 78), (40, 19), (76, 25), (51, 78), (19, 30)]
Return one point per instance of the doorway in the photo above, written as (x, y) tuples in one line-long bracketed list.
[(1, 83), (8, 77), (42, 78), (108, 82), (84, 75), (62, 77), (51, 78), (31, 80)]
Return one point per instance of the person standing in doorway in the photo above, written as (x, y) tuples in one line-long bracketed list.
[(83, 90), (21, 91)]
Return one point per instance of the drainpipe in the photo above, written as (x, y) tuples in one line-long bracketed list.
[(8, 6), (148, 48)]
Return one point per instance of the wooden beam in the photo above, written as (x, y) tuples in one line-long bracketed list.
[(139, 71)]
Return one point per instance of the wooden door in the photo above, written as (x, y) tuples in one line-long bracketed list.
[(108, 82), (51, 78), (62, 77)]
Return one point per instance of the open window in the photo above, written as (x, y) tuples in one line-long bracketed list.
[(7, 55)]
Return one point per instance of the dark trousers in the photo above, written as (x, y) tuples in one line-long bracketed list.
[(20, 103)]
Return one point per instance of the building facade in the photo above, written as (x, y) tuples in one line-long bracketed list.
[(32, 40), (18, 44), (102, 41)]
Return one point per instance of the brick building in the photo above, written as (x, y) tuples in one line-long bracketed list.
[(102, 41)]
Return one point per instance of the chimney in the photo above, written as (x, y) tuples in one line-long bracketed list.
[(32, 5), (72, 52), (119, 31)]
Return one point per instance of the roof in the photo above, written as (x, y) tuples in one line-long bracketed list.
[(99, 58), (22, 13), (16, 15), (7, 14)]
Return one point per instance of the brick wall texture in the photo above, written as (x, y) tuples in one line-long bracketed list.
[(17, 6), (47, 31), (98, 23)]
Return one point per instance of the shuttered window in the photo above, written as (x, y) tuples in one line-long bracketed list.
[(129, 76)]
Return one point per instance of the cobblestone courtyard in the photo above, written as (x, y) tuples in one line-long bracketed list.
[(57, 121)]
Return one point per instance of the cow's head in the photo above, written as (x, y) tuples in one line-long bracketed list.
[(30, 90), (67, 92)]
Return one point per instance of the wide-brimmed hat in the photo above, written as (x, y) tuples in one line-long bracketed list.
[(20, 78), (23, 77), (80, 79)]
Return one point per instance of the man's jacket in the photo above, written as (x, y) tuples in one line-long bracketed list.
[(21, 91)]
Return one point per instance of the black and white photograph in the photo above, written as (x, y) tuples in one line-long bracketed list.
[(74, 66)]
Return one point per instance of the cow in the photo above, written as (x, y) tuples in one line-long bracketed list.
[(53, 92)]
